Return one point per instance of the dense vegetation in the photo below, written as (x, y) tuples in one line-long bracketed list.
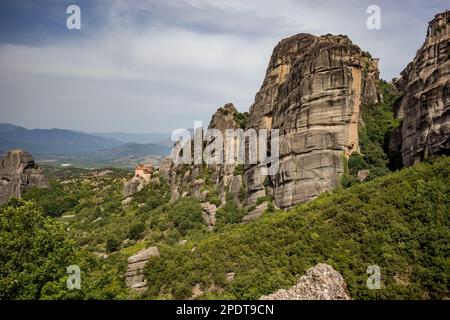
[(399, 222), (378, 123), (35, 252)]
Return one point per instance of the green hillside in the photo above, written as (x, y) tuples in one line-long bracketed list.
[(399, 222)]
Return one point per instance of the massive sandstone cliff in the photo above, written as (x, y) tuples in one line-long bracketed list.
[(313, 93), (17, 173), (425, 107), (201, 181)]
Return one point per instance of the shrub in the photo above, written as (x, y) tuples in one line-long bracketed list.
[(136, 231), (112, 244), (34, 251), (242, 119), (356, 163), (186, 214), (229, 213)]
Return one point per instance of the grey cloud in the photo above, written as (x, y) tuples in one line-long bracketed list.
[(160, 65)]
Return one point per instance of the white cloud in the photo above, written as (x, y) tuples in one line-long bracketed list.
[(159, 65)]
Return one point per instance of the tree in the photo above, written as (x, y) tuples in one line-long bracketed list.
[(136, 231), (112, 244), (34, 251)]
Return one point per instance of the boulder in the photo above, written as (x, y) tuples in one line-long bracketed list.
[(321, 282), (209, 214), (135, 277), (18, 172), (235, 186), (362, 175)]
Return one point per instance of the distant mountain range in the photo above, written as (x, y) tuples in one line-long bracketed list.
[(144, 138), (75, 143), (133, 150)]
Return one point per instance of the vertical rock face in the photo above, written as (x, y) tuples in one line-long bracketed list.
[(425, 107), (224, 119), (18, 172), (321, 282), (313, 92), (190, 180), (135, 277)]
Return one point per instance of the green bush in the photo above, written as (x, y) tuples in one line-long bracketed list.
[(112, 244), (186, 214), (54, 200), (242, 119), (229, 213), (356, 163), (136, 231), (34, 251), (379, 122), (239, 170)]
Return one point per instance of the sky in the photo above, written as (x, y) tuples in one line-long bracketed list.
[(154, 66)]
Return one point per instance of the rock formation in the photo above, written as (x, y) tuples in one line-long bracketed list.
[(313, 92), (425, 107), (142, 176), (256, 213), (209, 214), (321, 282), (18, 172), (135, 277), (202, 181)]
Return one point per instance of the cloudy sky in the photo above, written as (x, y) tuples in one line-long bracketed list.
[(157, 65)]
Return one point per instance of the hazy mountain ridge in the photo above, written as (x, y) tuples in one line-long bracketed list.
[(143, 138), (57, 141), (133, 149), (75, 143)]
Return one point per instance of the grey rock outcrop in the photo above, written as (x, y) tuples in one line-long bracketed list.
[(313, 93), (135, 277), (18, 171), (224, 119), (256, 213), (164, 167), (142, 177), (133, 186), (425, 107), (321, 282), (191, 180), (209, 214)]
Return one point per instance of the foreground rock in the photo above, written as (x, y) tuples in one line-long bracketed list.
[(321, 282), (135, 277), (425, 107), (18, 172)]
